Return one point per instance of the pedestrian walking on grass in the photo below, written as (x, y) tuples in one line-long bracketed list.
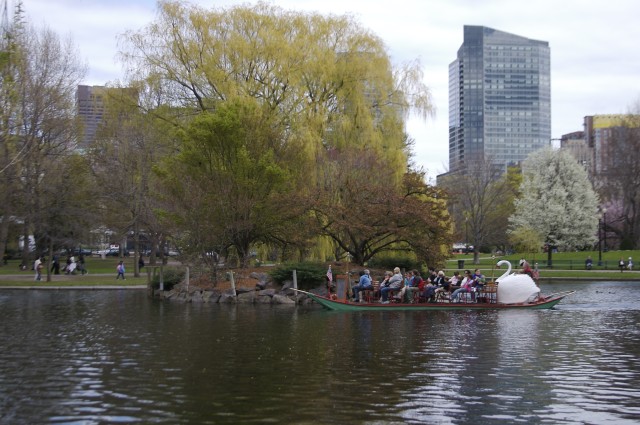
[(37, 267), (120, 270)]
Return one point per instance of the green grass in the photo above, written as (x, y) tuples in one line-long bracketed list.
[(568, 265), (75, 281), (93, 264), (101, 273)]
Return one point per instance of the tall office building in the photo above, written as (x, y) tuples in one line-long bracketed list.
[(499, 98), (91, 103)]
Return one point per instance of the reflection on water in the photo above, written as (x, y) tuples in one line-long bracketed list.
[(119, 357)]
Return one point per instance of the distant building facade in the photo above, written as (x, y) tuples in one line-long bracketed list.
[(577, 146), (499, 98), (91, 103), (605, 134)]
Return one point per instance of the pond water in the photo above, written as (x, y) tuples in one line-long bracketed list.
[(97, 357)]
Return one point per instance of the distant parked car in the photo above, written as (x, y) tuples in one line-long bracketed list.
[(76, 251), (169, 253), (111, 252)]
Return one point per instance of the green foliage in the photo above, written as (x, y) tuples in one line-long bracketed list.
[(309, 275), (282, 95), (526, 239), (170, 277), (389, 262)]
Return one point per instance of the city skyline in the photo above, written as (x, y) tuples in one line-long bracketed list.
[(499, 98), (592, 69)]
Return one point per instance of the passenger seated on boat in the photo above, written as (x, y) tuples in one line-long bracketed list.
[(455, 279), (478, 279), (384, 282), (438, 283), (432, 274), (441, 291), (440, 279), (429, 293), (364, 284), (526, 268), (393, 283), (465, 286), (415, 284)]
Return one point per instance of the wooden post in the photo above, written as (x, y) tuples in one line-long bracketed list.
[(186, 277), (348, 279), (295, 283), (233, 284)]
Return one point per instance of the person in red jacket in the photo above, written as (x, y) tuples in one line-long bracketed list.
[(526, 268)]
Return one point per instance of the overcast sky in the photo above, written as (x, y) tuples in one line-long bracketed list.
[(595, 66)]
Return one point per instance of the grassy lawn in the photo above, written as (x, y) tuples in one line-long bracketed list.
[(569, 265), (57, 281), (101, 273), (564, 264)]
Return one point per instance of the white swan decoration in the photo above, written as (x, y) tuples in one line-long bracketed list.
[(500, 263), (515, 288)]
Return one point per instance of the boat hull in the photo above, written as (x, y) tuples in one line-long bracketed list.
[(338, 305)]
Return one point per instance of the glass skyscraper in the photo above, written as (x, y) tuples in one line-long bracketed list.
[(499, 98)]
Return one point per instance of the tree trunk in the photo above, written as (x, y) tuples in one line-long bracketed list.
[(4, 234), (49, 258)]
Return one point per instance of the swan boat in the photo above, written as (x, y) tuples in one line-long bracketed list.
[(512, 291)]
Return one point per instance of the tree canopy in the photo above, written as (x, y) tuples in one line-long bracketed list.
[(556, 201), (270, 107), (39, 74)]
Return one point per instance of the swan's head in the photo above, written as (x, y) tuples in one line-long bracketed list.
[(503, 263)]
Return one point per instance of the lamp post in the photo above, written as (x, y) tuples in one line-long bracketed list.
[(604, 229), (599, 242)]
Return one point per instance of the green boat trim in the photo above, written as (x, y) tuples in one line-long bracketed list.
[(544, 303)]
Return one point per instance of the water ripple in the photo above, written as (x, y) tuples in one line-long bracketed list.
[(91, 358)]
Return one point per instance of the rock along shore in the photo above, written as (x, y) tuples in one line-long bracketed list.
[(258, 289)]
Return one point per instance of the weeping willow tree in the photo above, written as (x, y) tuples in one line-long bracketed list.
[(324, 85)]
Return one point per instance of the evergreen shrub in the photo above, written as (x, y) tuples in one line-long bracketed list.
[(171, 277), (309, 275)]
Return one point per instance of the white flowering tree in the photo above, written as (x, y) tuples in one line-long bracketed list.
[(557, 201)]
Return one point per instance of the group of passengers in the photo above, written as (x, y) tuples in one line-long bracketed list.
[(436, 286)]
